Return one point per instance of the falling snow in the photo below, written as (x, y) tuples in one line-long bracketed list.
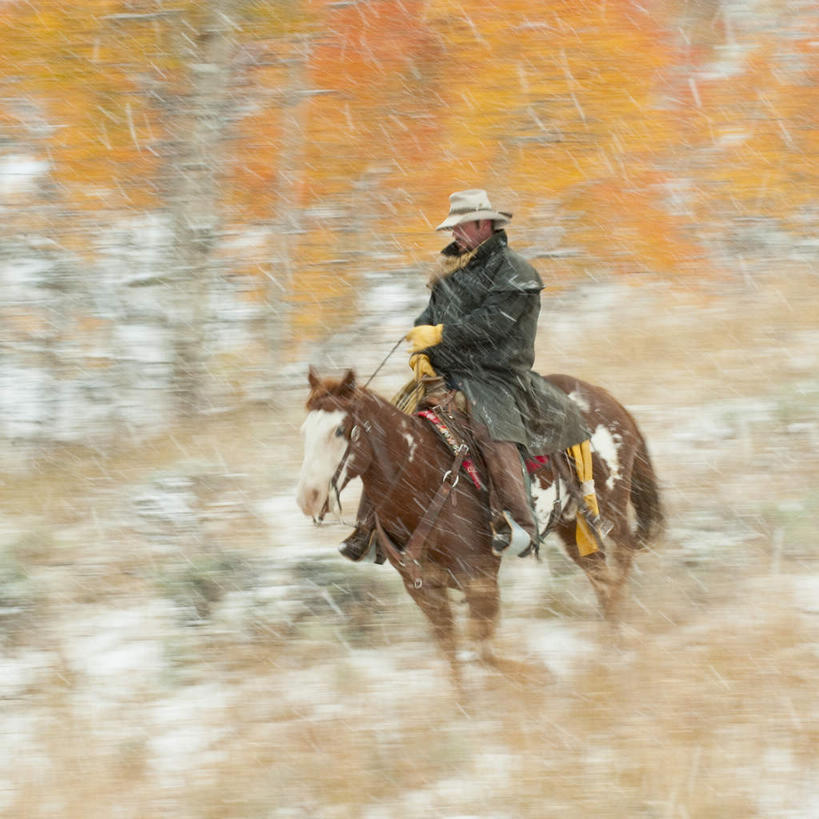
[(176, 637)]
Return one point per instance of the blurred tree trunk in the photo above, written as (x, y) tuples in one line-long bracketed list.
[(198, 123), (287, 188)]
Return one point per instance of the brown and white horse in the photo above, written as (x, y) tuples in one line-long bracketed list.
[(351, 432)]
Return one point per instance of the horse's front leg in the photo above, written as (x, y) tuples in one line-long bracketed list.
[(433, 600), (483, 599)]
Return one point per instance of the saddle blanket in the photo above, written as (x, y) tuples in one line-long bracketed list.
[(535, 462)]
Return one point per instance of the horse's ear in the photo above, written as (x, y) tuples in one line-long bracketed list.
[(312, 377), (347, 383)]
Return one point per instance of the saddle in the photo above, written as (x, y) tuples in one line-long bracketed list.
[(447, 411), (574, 466)]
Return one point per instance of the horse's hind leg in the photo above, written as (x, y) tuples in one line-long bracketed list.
[(596, 569), (608, 578), (603, 582), (622, 556)]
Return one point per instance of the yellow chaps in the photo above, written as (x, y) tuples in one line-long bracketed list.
[(581, 453)]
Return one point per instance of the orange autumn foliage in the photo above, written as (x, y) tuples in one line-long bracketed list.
[(642, 133)]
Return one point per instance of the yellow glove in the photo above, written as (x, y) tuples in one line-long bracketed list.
[(420, 366), (425, 335)]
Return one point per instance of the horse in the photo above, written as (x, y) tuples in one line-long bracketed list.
[(409, 475)]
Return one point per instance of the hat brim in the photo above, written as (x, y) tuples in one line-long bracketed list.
[(499, 217)]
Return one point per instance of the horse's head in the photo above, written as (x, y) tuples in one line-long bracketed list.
[(332, 450)]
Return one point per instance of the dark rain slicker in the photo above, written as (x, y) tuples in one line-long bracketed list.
[(489, 309)]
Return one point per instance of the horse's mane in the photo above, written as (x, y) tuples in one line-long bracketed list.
[(330, 394)]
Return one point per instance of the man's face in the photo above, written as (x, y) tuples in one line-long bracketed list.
[(468, 235)]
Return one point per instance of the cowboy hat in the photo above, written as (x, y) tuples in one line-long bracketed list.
[(472, 206)]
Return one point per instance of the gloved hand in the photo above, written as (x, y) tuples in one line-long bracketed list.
[(420, 366), (425, 335)]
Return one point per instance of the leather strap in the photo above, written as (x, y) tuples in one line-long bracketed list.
[(413, 552)]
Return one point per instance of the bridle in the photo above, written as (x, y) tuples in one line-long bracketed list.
[(359, 431), (411, 555), (341, 469), (355, 434)]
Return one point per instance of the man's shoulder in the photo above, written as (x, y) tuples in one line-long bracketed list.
[(514, 270)]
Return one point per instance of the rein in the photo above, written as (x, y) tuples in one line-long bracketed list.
[(386, 358), (354, 434)]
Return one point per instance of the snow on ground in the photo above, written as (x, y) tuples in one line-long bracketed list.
[(190, 639)]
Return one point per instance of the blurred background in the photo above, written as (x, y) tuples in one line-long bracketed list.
[(201, 198)]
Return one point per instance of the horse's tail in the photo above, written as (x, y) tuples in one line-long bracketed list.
[(645, 495)]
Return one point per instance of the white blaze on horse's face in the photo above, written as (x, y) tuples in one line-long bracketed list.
[(324, 447)]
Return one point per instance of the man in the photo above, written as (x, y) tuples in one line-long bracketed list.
[(478, 333)]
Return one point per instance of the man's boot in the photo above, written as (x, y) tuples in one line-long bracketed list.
[(356, 546), (505, 468)]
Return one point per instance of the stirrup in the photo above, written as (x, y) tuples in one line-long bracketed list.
[(601, 525), (503, 536), (597, 524), (501, 542)]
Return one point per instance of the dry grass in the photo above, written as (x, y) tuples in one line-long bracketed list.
[(711, 717), (213, 672)]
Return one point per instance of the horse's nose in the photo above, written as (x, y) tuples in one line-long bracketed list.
[(308, 500)]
